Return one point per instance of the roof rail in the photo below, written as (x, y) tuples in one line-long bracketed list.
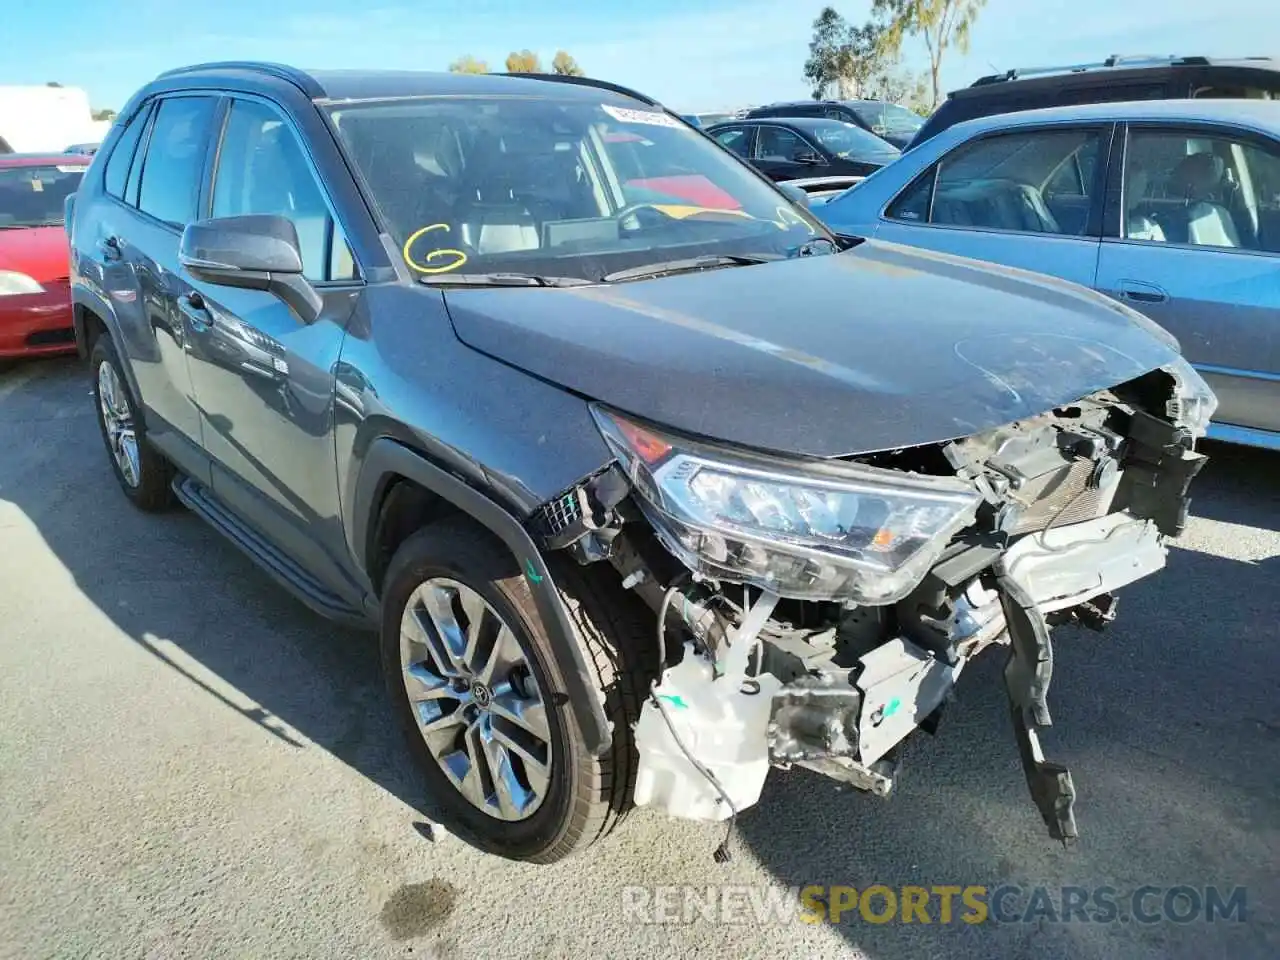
[(1114, 62), (587, 82), (299, 78)]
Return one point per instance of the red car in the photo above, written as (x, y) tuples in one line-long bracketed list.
[(35, 298)]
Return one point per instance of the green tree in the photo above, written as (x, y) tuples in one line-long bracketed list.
[(941, 24), (105, 114), (525, 61), (468, 64), (53, 83), (895, 84), (565, 65), (841, 55)]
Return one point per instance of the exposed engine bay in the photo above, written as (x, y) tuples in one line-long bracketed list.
[(818, 615)]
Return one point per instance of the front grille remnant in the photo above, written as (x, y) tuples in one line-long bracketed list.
[(559, 514)]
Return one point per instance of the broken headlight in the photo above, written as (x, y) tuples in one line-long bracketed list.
[(811, 530), (1193, 402)]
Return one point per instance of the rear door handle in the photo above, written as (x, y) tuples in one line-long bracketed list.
[(1140, 292), (109, 247)]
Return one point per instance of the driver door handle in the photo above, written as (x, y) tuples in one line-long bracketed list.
[(1140, 292), (195, 310)]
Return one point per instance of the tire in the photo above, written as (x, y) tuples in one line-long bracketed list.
[(148, 488), (584, 797)]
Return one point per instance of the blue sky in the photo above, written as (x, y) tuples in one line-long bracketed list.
[(691, 54)]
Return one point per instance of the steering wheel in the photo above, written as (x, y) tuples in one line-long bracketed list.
[(631, 210)]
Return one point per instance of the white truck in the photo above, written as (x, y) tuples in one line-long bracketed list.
[(46, 119)]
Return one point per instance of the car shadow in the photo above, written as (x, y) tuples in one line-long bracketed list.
[(1168, 721), (186, 595), (1245, 488)]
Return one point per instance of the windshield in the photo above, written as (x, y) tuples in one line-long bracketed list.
[(33, 196), (565, 188), (848, 140), (888, 117)]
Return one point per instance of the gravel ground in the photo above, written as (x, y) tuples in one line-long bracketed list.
[(193, 765)]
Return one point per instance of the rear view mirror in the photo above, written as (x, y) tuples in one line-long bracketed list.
[(255, 252), (795, 194)]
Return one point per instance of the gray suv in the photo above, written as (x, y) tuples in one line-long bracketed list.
[(648, 481)]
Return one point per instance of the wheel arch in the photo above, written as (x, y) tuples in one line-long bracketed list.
[(92, 316), (389, 463)]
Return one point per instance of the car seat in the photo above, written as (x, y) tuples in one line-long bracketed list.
[(1197, 177), (491, 217)]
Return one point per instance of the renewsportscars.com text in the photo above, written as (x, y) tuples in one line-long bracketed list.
[(942, 904)]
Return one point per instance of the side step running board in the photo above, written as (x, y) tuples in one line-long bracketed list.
[(201, 501)]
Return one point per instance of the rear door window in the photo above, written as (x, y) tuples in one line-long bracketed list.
[(779, 143), (171, 173), (737, 139), (117, 172)]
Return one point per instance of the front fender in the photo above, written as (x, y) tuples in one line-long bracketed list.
[(387, 460), (86, 299)]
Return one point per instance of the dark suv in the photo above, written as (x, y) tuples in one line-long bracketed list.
[(647, 480), (1113, 80)]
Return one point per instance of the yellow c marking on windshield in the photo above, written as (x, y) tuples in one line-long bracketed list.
[(439, 252), (786, 217)]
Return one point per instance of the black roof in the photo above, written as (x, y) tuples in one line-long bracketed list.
[(1113, 69), (808, 103), (376, 84), (800, 123)]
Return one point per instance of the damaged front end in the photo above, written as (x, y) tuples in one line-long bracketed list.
[(818, 612)]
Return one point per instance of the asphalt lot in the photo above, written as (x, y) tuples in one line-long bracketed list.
[(193, 765)]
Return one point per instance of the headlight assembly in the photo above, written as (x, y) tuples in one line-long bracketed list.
[(813, 530), (1193, 402)]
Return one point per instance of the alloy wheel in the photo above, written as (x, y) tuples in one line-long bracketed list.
[(476, 699), (117, 418)]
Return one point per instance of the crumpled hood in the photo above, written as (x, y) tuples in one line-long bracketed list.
[(880, 347)]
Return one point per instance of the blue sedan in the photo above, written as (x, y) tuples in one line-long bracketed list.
[(1171, 207)]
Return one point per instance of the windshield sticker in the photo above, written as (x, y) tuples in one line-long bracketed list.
[(69, 169), (427, 265), (37, 185), (652, 117)]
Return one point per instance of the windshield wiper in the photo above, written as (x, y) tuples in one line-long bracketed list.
[(690, 265), (501, 280)]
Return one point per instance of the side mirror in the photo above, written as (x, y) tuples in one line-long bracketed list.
[(795, 194), (808, 156), (257, 252)]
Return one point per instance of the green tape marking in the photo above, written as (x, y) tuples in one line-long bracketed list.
[(532, 574)]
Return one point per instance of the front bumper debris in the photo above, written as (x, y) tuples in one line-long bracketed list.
[(1027, 675)]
